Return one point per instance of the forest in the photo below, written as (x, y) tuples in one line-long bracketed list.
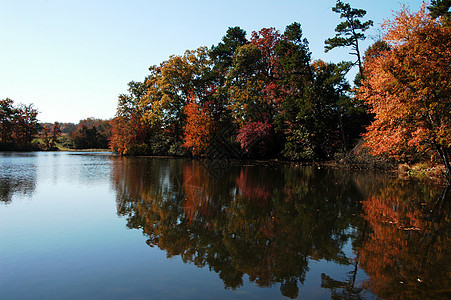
[(263, 96)]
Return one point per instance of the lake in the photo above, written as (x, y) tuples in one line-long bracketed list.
[(99, 226)]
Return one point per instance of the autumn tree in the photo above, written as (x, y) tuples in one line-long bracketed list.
[(44, 135), (256, 138), (408, 88), (6, 115), (128, 130), (168, 88), (25, 126), (18, 125), (245, 84), (350, 31), (252, 74), (199, 126), (67, 128), (252, 88), (55, 133), (152, 116), (49, 135), (91, 133)]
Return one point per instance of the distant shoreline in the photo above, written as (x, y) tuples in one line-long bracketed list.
[(85, 150)]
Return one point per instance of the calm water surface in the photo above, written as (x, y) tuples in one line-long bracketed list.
[(97, 226)]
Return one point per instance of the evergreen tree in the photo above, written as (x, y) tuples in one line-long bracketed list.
[(350, 31)]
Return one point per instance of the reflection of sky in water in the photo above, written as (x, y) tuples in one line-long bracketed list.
[(20, 171), (84, 169)]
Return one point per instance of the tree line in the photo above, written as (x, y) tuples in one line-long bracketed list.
[(90, 133), (257, 97), (20, 130), (264, 96)]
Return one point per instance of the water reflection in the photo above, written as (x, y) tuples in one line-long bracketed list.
[(17, 175), (268, 224), (407, 252), (264, 222), (20, 172)]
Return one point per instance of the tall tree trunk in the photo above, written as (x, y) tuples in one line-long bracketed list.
[(445, 158), (343, 136), (359, 59)]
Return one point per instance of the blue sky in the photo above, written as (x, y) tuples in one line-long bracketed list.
[(71, 59)]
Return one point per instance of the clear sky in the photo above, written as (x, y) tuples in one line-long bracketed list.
[(72, 59)]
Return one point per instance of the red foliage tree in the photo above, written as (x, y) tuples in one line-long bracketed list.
[(256, 137), (266, 40)]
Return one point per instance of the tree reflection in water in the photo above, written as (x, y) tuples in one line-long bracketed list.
[(10, 187), (17, 176), (268, 222), (407, 252)]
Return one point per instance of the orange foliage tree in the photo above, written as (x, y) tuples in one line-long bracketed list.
[(408, 88), (199, 126)]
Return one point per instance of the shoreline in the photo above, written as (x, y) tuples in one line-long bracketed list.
[(420, 171)]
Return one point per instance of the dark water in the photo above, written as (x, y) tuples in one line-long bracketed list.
[(95, 226)]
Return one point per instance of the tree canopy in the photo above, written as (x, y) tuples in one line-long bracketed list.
[(265, 97), (262, 97)]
